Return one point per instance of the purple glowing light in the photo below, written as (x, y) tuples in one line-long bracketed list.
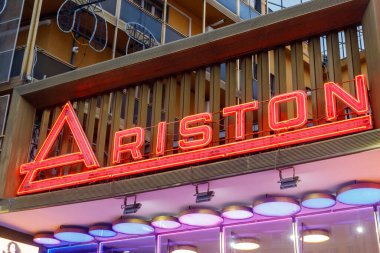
[(200, 218), (237, 212)]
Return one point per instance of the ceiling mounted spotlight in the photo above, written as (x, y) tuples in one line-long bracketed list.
[(203, 196), (245, 243), (130, 208), (315, 235), (102, 230), (200, 217), (236, 212), (73, 234), (318, 201), (165, 222), (46, 238), (359, 194), (184, 249), (276, 206), (288, 182), (132, 226)]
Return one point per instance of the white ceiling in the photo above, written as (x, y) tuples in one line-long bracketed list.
[(327, 175)]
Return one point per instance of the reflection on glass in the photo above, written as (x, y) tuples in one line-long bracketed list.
[(84, 248), (347, 231), (268, 236)]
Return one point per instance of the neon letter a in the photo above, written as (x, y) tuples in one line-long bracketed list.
[(41, 162)]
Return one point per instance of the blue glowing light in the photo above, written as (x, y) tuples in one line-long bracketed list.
[(73, 236), (276, 207), (360, 194), (102, 233), (133, 227), (318, 201), (46, 240)]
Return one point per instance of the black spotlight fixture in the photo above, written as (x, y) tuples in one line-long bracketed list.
[(203, 196), (288, 182), (130, 208)]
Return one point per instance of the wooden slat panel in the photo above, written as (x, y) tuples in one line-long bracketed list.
[(231, 88), (156, 113), (90, 126), (43, 127), (333, 64), (215, 102), (116, 120), (280, 79), (81, 111), (247, 93), (316, 80), (170, 106), (264, 92), (81, 107), (200, 91), (353, 55), (102, 129), (298, 78)]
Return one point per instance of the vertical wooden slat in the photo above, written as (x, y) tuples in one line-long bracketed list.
[(74, 147), (280, 79), (143, 106), (247, 93), (102, 129), (170, 106), (43, 127), (298, 78), (129, 107), (200, 91), (264, 92), (91, 114), (231, 83), (316, 80), (215, 102), (81, 108), (185, 95), (156, 113), (333, 65), (353, 55), (115, 124)]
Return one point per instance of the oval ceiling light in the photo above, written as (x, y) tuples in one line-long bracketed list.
[(166, 222), (132, 226), (200, 217), (73, 234), (46, 238), (245, 243), (318, 201), (316, 236), (359, 194), (184, 249), (102, 230), (276, 206), (236, 212)]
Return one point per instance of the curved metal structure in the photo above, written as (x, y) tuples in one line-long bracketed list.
[(141, 35)]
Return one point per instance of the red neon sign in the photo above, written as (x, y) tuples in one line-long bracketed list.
[(196, 136)]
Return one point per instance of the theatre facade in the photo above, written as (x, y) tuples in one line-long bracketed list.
[(259, 136)]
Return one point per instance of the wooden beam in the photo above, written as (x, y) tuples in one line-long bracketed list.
[(289, 25)]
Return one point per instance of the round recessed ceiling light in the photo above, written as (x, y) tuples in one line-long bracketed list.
[(200, 217), (276, 206), (102, 230), (166, 222), (46, 238), (184, 249), (73, 234), (318, 201), (315, 236), (237, 212), (132, 226), (359, 194), (246, 243)]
